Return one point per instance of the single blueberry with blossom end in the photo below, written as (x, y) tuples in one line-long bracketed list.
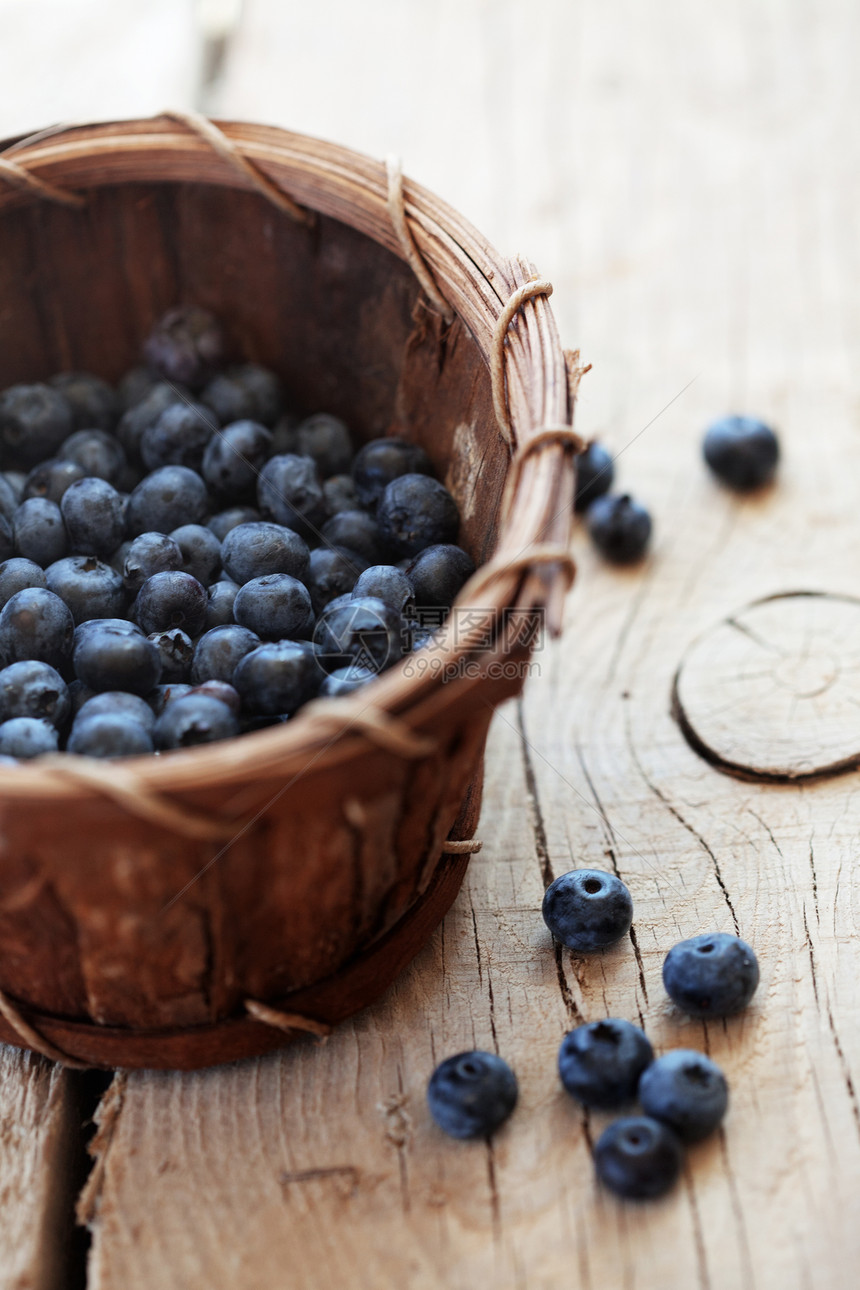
[(277, 678), (109, 734), (97, 454), (259, 548), (148, 554), (594, 475), (332, 572), (28, 737), (742, 452), (416, 512), (33, 689), (93, 404), (107, 658), (118, 703), (194, 719), (52, 478), (219, 652), (289, 492), (39, 532), (34, 421), (359, 631), (340, 495), (201, 552), (144, 413), (245, 392), (714, 975), (171, 599), (90, 588), (438, 573), (387, 583), (220, 599), (620, 528), (234, 458), (471, 1094), (276, 607), (687, 1091), (638, 1158), (94, 515), (357, 531), (600, 1063), (327, 440), (186, 345), (178, 438), (18, 573), (35, 624), (164, 500), (587, 909)]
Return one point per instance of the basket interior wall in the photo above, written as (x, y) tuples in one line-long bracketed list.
[(334, 313)]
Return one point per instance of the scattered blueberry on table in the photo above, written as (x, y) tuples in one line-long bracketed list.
[(638, 1158), (620, 528), (587, 909), (686, 1091), (471, 1094), (187, 544), (743, 452), (714, 975), (600, 1063)]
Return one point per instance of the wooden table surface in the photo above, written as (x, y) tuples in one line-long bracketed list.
[(687, 175)]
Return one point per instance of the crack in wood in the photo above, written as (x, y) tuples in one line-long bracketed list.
[(538, 826), (846, 1069)]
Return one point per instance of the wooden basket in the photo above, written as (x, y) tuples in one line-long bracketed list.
[(184, 910)]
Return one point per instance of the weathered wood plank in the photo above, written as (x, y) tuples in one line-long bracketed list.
[(687, 176), (37, 1171)]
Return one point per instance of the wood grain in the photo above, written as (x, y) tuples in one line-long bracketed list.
[(37, 1171), (687, 175)]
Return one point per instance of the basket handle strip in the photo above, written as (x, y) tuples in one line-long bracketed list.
[(397, 211), (231, 154)]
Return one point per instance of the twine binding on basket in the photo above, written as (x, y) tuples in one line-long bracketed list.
[(229, 153), (286, 1021), (397, 211), (20, 177), (528, 290)]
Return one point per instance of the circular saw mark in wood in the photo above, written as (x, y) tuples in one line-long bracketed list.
[(773, 692)]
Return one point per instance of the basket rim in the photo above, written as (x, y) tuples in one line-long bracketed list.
[(478, 282)]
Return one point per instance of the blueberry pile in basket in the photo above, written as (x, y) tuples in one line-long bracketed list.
[(184, 559)]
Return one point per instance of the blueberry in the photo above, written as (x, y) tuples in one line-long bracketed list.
[(178, 438), (201, 552), (389, 584), (118, 703), (107, 734), (78, 695), (134, 387), (277, 677), (416, 512), (638, 1158), (246, 392), (284, 438), (234, 458), (222, 523), (93, 404), (51, 479), (741, 451), (171, 599), (327, 440), (362, 631), (140, 416), (340, 494), (259, 548), (344, 680), (220, 599), (276, 607), (35, 624), (186, 345), (167, 498), (194, 719), (94, 515), (106, 658), (600, 1063), (18, 573), (438, 573), (687, 1091), (289, 492), (713, 975), (219, 652), (39, 531), (381, 461), (357, 531), (90, 588), (12, 484), (471, 1094), (34, 421), (620, 528), (222, 691), (587, 909), (333, 572), (32, 689), (150, 553), (7, 539), (27, 737), (97, 454), (594, 475), (175, 649)]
